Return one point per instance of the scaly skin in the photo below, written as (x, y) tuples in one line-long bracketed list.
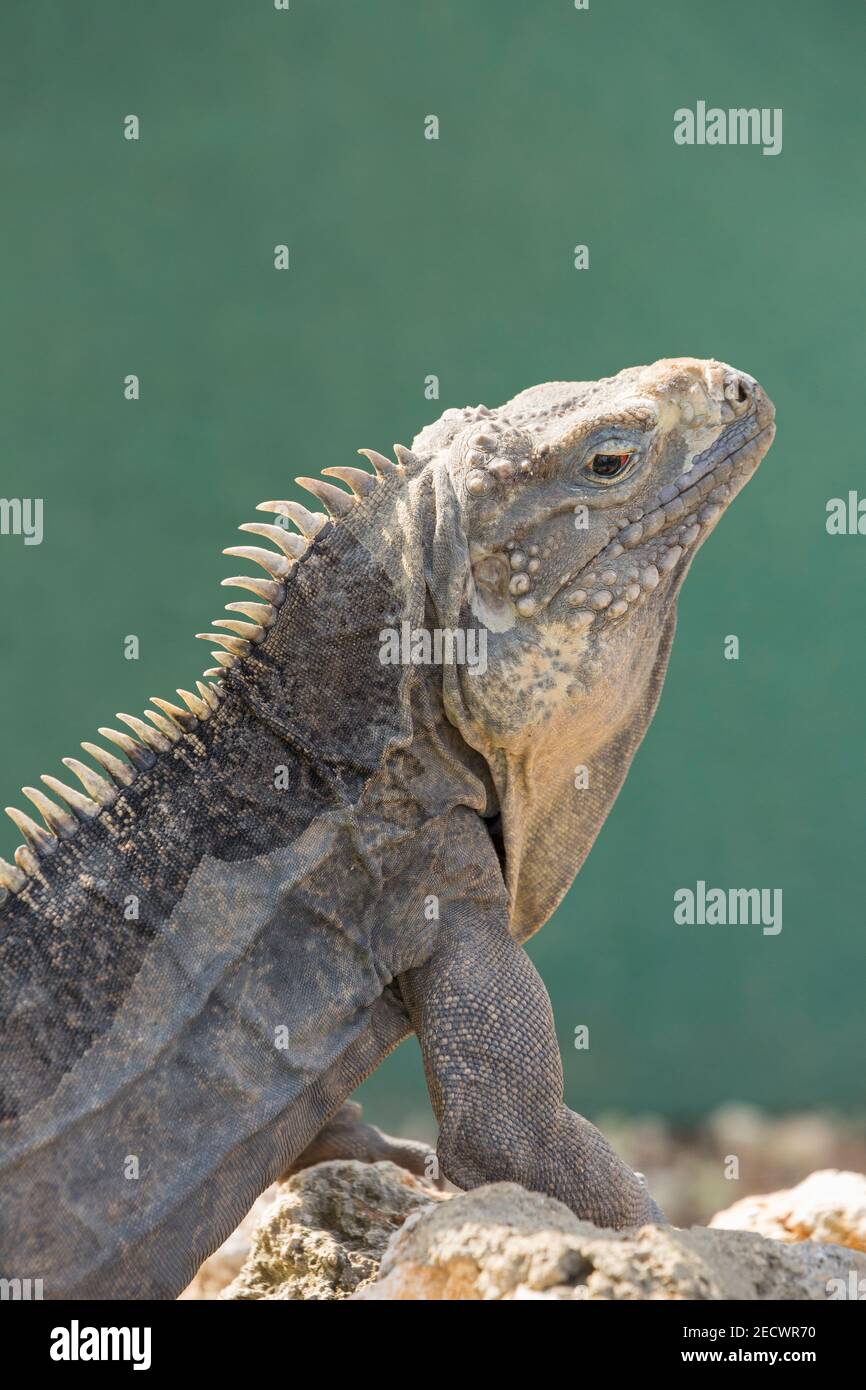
[(204, 956)]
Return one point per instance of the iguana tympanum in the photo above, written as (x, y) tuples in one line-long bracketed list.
[(325, 849)]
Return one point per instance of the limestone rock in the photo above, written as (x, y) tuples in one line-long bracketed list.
[(502, 1242), (373, 1231), (325, 1234), (826, 1206)]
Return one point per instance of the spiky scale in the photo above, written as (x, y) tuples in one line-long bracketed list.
[(292, 546), (102, 792), (155, 740), (360, 481), (295, 545), (261, 613), (308, 523), (55, 817), (26, 861), (82, 806), (215, 670), (335, 499), (11, 877), (208, 693), (277, 566), (236, 645), (382, 465), (405, 457), (225, 659), (39, 839), (175, 713), (119, 771), (141, 758), (267, 589), (251, 632), (200, 709), (165, 726)]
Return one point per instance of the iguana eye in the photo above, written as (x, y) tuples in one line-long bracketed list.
[(608, 466)]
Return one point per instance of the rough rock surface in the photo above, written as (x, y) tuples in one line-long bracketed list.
[(502, 1242), (826, 1206), (325, 1234), (374, 1232)]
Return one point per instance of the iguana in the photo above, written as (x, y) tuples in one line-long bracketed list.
[(326, 848)]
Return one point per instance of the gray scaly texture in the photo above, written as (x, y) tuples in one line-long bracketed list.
[(204, 952)]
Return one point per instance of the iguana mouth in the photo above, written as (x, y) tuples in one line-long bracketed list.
[(632, 563)]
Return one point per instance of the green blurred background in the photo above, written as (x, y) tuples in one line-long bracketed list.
[(411, 257)]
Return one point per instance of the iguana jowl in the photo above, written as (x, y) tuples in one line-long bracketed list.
[(284, 835)]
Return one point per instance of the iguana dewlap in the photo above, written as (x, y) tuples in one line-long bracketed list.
[(204, 952)]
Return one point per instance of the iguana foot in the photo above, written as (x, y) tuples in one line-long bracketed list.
[(347, 1136), (567, 1158)]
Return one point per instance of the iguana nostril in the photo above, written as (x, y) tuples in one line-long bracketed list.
[(738, 391)]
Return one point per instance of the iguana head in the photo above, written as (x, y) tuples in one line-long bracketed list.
[(582, 506)]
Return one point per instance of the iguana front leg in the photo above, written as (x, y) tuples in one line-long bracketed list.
[(485, 1024)]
